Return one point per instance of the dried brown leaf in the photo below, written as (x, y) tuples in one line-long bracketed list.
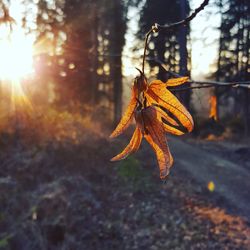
[(156, 111), (213, 108), (173, 127), (151, 102), (132, 147), (156, 138), (127, 116), (163, 97), (171, 82), (176, 81)]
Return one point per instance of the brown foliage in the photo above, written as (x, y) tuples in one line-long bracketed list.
[(156, 111), (213, 108)]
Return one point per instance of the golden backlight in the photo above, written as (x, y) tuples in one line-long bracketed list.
[(16, 62), (16, 52)]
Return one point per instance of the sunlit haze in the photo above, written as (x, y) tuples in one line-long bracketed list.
[(204, 40), (16, 54), (16, 47)]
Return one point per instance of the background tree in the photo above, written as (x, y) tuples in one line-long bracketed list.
[(117, 41), (168, 46), (233, 56), (87, 39)]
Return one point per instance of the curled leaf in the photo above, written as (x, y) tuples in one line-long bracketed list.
[(173, 82), (132, 147), (156, 138), (176, 81), (169, 119), (127, 116), (158, 94), (156, 111), (169, 124)]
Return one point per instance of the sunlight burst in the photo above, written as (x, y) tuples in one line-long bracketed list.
[(16, 52), (16, 62)]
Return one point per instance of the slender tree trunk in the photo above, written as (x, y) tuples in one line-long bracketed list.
[(117, 43), (218, 72), (246, 112), (182, 37), (246, 77), (94, 34)]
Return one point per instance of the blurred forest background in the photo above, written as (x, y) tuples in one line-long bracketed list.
[(66, 69), (79, 59)]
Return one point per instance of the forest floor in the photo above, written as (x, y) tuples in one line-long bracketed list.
[(69, 196)]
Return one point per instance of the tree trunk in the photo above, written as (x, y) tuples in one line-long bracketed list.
[(246, 112), (183, 64), (116, 45), (246, 77), (117, 78), (218, 72), (94, 60)]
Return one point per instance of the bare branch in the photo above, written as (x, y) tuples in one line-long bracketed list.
[(203, 84), (244, 84), (196, 87), (157, 27), (145, 49), (209, 84)]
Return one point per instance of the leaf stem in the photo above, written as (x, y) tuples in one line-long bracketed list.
[(145, 49)]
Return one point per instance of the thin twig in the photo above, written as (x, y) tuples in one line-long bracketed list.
[(213, 85), (145, 48), (224, 84), (157, 27), (208, 84), (196, 87)]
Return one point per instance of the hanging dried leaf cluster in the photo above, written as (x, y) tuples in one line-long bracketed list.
[(213, 108), (156, 112)]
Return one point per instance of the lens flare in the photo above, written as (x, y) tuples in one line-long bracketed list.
[(16, 61), (16, 52)]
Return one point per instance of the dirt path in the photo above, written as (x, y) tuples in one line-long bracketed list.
[(231, 180)]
